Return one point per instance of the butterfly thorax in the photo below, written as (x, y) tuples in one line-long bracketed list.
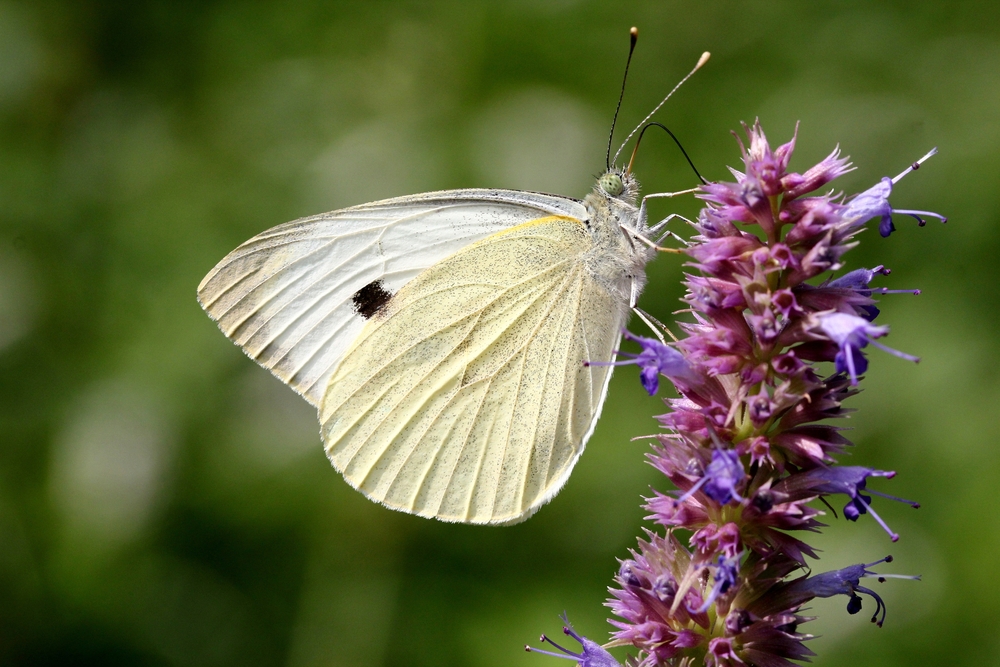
[(617, 260)]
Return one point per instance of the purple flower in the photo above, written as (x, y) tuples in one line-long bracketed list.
[(722, 653), (656, 611), (655, 359), (858, 279), (751, 394), (763, 164), (851, 334), (722, 475), (727, 572), (714, 538), (874, 202), (593, 654), (831, 167), (851, 481), (761, 406), (851, 293), (845, 581)]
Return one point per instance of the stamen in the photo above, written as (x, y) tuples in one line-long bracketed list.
[(879, 605), (915, 165), (882, 577), (912, 503), (531, 649), (690, 492), (916, 214), (565, 652), (849, 356), (892, 536), (893, 352), (887, 559), (545, 638), (567, 630)]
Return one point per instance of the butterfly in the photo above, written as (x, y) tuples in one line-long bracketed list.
[(456, 344)]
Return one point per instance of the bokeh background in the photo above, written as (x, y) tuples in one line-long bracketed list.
[(163, 501)]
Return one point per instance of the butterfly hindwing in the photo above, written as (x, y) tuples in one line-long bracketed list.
[(437, 407), (296, 296)]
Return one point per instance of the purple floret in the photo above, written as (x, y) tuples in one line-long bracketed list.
[(851, 481), (845, 581), (592, 655), (656, 359), (852, 334), (874, 203)]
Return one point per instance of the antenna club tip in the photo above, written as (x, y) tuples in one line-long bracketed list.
[(633, 31), (704, 59)]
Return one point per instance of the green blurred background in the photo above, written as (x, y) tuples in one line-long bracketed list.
[(163, 501)]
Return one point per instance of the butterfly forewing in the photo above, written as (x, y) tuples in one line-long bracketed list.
[(288, 296), (467, 397)]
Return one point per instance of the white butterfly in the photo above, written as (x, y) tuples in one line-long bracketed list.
[(443, 336)]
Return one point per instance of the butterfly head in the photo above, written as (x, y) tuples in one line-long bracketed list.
[(618, 184)]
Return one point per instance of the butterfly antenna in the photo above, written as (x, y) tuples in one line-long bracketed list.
[(633, 38), (676, 141), (701, 61)]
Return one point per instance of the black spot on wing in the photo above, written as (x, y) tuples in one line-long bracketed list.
[(370, 299)]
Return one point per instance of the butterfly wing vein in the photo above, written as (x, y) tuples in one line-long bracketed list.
[(436, 408), (285, 296)]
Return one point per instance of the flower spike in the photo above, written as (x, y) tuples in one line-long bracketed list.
[(749, 443)]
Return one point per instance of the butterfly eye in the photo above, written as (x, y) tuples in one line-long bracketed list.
[(612, 184)]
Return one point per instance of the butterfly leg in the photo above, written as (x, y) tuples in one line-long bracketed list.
[(662, 223), (658, 226), (674, 236), (651, 244), (654, 324), (689, 191), (643, 211), (643, 214)]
